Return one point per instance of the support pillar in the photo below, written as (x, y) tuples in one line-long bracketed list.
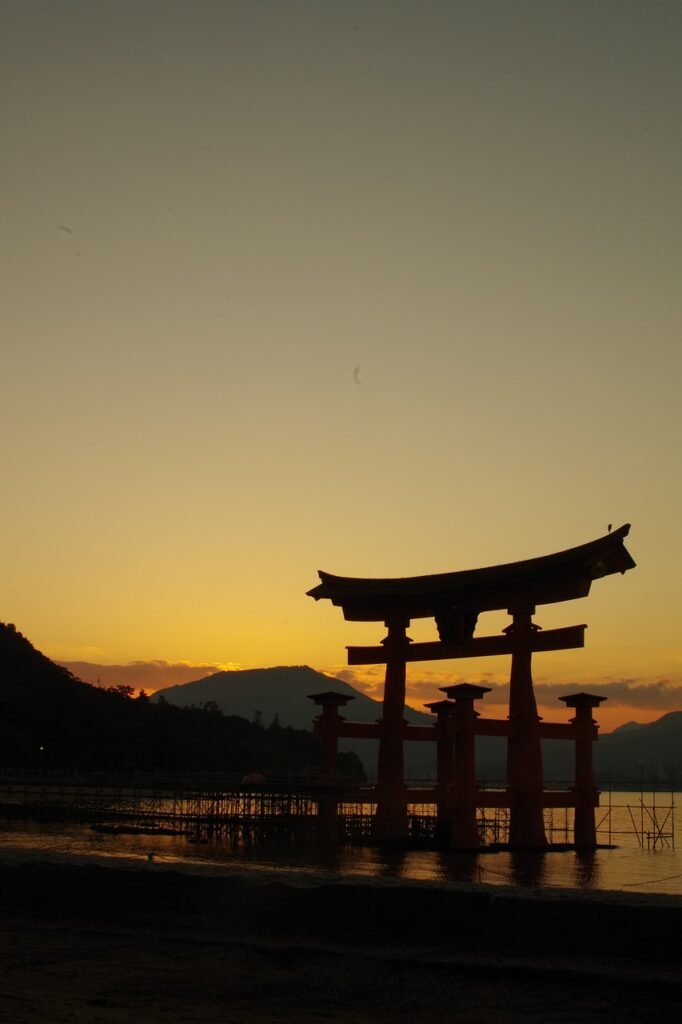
[(327, 726), (524, 751), (464, 833), (586, 796), (391, 816), (444, 767)]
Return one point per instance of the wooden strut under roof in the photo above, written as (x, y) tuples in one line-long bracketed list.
[(562, 576)]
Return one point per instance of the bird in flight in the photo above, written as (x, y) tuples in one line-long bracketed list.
[(356, 375), (65, 227)]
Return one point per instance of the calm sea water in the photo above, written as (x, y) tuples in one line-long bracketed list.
[(644, 857)]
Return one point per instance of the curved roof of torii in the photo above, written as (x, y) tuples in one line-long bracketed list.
[(562, 576)]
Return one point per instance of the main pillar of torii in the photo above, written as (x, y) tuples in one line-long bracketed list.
[(454, 601)]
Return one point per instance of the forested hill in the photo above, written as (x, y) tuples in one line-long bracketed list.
[(655, 749), (50, 719), (284, 691), (652, 751), (283, 694)]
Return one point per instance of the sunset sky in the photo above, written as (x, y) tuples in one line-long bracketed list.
[(383, 288)]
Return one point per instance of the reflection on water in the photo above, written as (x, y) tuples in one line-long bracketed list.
[(528, 868), (459, 867), (327, 856), (391, 862), (587, 869), (628, 867)]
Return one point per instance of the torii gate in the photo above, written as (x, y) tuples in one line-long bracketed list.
[(455, 600)]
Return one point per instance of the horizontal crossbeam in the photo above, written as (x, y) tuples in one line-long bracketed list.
[(482, 727), (479, 647)]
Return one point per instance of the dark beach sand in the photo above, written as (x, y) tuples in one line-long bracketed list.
[(93, 943)]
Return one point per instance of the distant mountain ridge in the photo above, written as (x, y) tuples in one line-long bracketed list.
[(650, 749), (623, 755), (626, 727), (49, 719), (284, 692)]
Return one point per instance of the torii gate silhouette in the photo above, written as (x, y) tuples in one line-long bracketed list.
[(454, 601)]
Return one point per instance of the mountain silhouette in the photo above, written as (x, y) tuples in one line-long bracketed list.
[(50, 719), (626, 727), (283, 693), (46, 714), (651, 752)]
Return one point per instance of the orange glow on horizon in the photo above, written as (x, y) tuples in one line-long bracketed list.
[(611, 714), (280, 346)]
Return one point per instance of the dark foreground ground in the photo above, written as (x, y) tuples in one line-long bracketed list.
[(95, 944)]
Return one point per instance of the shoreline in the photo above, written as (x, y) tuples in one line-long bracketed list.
[(234, 901), (96, 944)]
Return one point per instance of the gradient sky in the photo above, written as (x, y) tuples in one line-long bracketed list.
[(378, 287)]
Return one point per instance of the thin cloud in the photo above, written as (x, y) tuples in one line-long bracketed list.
[(662, 695), (370, 681), (145, 675), (659, 695)]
